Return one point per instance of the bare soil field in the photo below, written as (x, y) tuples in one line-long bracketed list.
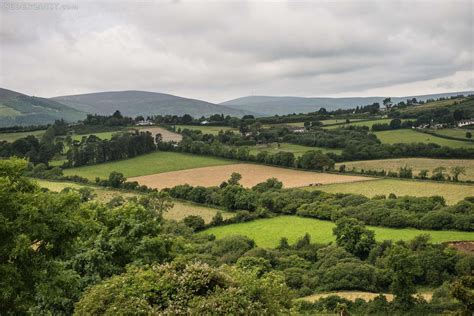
[(353, 295), (251, 175), (167, 135)]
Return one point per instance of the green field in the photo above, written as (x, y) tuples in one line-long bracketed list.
[(268, 232), (206, 129), (339, 121), (454, 132), (178, 212), (453, 193), (298, 150), (296, 124), (411, 136), (101, 135), (430, 105), (416, 164), (362, 123), (10, 137), (156, 162)]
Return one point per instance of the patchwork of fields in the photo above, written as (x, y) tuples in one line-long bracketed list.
[(152, 163), (268, 232), (251, 175), (416, 164), (453, 193), (411, 136)]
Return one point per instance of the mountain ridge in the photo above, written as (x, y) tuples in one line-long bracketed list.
[(281, 105), (146, 103)]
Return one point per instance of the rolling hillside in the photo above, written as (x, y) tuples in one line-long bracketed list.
[(271, 105), (144, 103), (20, 109)]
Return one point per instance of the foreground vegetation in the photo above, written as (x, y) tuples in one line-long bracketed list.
[(453, 193), (65, 255), (267, 233)]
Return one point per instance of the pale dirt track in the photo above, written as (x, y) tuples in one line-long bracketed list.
[(251, 175), (167, 135)]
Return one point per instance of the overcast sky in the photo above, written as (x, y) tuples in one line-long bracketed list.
[(221, 50)]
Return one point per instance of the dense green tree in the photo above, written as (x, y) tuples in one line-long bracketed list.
[(352, 235)]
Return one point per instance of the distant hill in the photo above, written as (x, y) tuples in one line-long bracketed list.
[(269, 105), (20, 109), (133, 103)]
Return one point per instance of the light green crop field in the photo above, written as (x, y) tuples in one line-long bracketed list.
[(206, 129), (156, 162), (416, 164), (431, 105), (11, 137), (338, 121), (452, 193), (297, 124), (454, 132), (103, 195), (298, 150), (101, 135), (178, 212), (361, 123), (268, 232), (411, 136), (181, 210)]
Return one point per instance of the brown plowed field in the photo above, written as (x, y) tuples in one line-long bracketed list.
[(251, 175), (167, 135)]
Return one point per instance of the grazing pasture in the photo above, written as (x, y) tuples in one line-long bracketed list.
[(454, 132), (361, 123), (11, 137), (452, 193), (251, 175), (101, 135), (181, 210), (152, 163), (412, 136), (298, 150), (268, 232), (431, 105), (338, 121), (416, 164), (103, 194), (206, 129), (178, 212), (167, 135)]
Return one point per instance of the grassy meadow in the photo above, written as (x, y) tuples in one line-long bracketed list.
[(453, 193), (178, 212), (298, 150), (416, 164), (156, 162), (411, 136), (206, 129), (268, 232), (11, 137), (454, 132), (361, 123)]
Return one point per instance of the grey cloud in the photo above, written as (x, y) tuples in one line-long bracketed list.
[(220, 50)]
